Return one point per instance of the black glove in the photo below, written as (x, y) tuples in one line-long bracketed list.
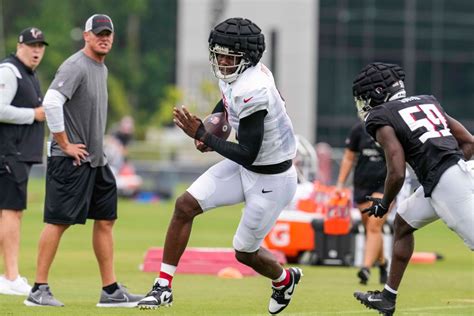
[(378, 209)]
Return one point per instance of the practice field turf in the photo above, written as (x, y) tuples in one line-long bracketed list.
[(443, 288)]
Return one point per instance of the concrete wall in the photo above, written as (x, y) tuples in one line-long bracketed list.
[(294, 22)]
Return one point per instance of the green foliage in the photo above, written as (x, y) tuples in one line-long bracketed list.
[(210, 93), (142, 62), (118, 98), (173, 96)]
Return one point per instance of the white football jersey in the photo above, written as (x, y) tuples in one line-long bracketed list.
[(255, 90)]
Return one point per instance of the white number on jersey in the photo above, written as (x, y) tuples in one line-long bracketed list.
[(433, 121)]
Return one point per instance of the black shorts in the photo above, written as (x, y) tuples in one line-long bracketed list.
[(13, 183), (76, 193), (361, 193)]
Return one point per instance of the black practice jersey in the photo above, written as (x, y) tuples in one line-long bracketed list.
[(370, 170), (421, 127)]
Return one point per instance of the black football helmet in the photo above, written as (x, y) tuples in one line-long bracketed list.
[(239, 38), (377, 83)]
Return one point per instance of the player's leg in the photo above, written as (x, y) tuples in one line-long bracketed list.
[(63, 207), (413, 213), (177, 237), (10, 227), (103, 244), (373, 251), (179, 228), (47, 248), (13, 198), (403, 244), (220, 185), (265, 197), (103, 209), (453, 200), (41, 294), (113, 294), (68, 192), (11, 282)]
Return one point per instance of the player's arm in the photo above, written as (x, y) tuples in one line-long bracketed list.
[(462, 135), (219, 108), (250, 135), (346, 167), (9, 113), (53, 106), (350, 153), (395, 158), (250, 140)]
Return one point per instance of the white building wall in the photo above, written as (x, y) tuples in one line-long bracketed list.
[(295, 22)]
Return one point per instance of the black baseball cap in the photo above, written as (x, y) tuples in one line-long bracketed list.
[(31, 35), (99, 22)]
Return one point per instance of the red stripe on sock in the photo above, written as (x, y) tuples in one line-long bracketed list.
[(166, 276), (285, 281)]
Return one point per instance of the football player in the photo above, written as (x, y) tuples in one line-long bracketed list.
[(418, 131), (363, 155), (257, 170)]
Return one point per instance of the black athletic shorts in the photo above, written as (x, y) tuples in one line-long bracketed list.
[(361, 193), (13, 183), (76, 193)]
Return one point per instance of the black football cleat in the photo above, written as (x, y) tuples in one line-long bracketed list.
[(282, 295), (376, 300), (157, 297), (363, 275)]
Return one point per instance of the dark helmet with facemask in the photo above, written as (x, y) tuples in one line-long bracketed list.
[(237, 37), (378, 83)]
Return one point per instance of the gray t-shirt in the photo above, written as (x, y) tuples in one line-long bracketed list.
[(84, 83)]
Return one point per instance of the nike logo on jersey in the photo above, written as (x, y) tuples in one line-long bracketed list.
[(263, 191), (248, 99)]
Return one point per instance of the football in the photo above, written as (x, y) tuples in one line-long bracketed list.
[(216, 124)]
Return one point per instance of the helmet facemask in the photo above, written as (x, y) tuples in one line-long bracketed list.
[(227, 73), (363, 107), (364, 103)]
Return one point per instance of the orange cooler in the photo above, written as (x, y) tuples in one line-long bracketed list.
[(292, 233)]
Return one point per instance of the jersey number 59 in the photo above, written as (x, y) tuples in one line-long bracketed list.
[(430, 118)]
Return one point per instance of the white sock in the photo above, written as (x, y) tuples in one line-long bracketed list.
[(281, 277), (168, 268), (388, 288), (162, 282)]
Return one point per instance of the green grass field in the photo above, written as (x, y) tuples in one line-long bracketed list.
[(443, 288)]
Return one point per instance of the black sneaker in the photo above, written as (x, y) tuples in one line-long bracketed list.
[(158, 296), (375, 300), (383, 272), (281, 296), (363, 275)]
